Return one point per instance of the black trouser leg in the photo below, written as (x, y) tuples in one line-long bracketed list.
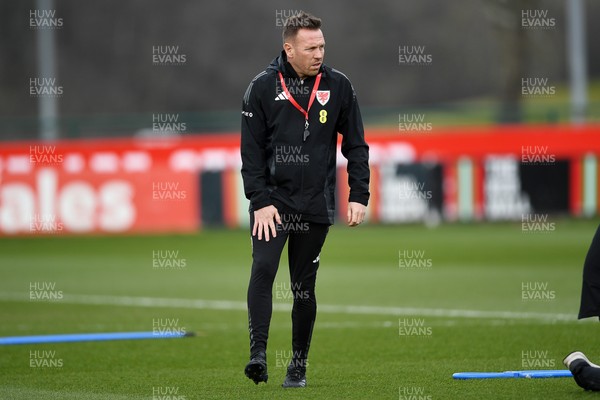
[(590, 291), (265, 262), (585, 375), (303, 251)]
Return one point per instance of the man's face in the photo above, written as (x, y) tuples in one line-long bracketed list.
[(306, 51)]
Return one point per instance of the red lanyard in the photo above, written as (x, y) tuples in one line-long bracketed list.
[(298, 106)]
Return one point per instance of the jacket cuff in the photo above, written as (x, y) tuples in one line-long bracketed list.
[(362, 198), (257, 205)]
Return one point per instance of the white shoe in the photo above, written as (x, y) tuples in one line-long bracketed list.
[(577, 355)]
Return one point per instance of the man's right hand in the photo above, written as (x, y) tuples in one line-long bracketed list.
[(264, 220)]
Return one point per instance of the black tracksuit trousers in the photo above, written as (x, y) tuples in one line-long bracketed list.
[(590, 290), (305, 240), (585, 375)]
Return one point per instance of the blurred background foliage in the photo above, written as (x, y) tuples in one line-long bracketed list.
[(479, 54)]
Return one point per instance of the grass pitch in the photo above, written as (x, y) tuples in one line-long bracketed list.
[(412, 327)]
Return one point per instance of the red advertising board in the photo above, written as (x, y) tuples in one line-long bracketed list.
[(100, 186), (134, 185), (50, 200)]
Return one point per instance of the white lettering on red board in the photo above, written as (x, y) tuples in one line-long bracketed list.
[(78, 205)]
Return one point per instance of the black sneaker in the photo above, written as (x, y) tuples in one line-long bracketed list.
[(256, 369), (585, 372), (295, 377), (577, 356)]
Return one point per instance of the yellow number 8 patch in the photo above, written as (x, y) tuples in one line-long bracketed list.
[(323, 116)]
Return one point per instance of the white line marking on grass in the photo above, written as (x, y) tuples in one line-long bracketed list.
[(322, 308), (204, 327)]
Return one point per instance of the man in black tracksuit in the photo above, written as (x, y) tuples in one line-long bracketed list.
[(586, 373), (291, 115)]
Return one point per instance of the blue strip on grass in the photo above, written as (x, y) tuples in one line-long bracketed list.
[(547, 373), (88, 337)]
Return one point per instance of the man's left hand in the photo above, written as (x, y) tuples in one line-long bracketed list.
[(356, 213)]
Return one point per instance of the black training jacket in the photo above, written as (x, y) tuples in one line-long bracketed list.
[(279, 167)]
